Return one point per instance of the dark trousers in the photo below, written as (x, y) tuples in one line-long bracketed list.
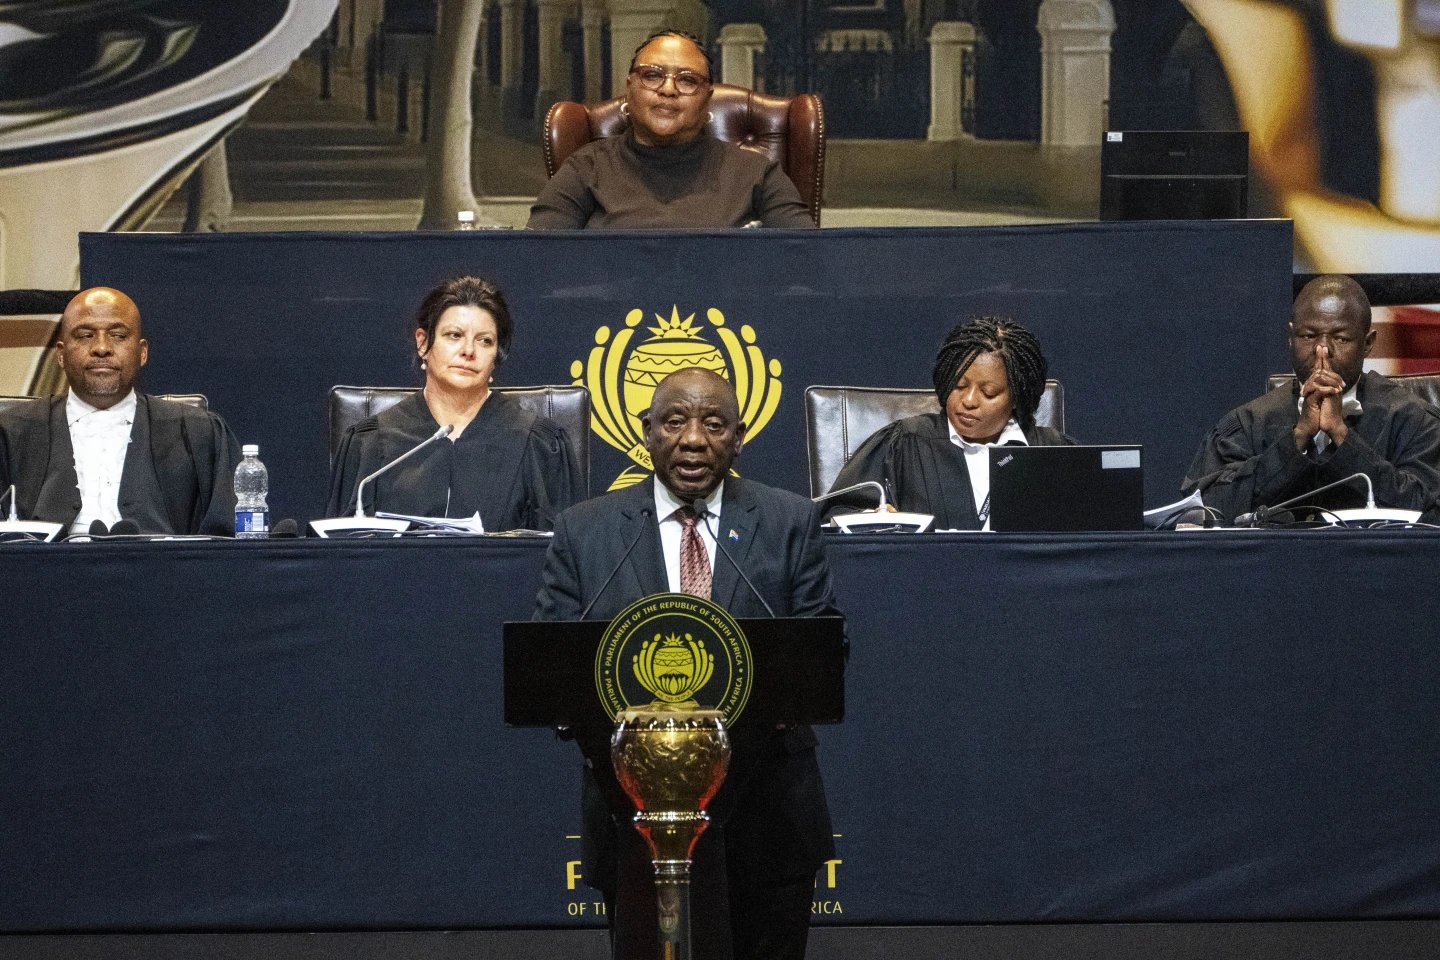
[(731, 917)]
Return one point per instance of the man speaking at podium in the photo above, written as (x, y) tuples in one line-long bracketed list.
[(771, 827)]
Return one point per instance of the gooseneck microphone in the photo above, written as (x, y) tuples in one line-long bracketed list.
[(1265, 513), (16, 529), (440, 434), (702, 510), (645, 512), (854, 487)]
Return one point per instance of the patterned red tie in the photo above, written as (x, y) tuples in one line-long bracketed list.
[(694, 559)]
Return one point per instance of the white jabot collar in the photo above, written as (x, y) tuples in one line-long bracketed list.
[(77, 409), (1011, 434)]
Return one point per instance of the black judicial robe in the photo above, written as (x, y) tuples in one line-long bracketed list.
[(512, 466), (923, 471), (1249, 459), (179, 475)]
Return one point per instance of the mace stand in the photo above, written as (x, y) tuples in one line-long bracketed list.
[(671, 760)]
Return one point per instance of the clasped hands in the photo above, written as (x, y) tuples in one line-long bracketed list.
[(1321, 411)]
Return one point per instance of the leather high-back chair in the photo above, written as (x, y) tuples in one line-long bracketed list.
[(789, 130), (839, 419), (193, 399), (568, 406), (1424, 385)]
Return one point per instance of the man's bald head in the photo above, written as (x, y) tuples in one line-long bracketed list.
[(100, 348), (1333, 295), (1332, 313), (99, 302)]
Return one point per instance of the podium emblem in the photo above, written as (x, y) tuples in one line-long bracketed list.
[(674, 648), (622, 375), (672, 669)]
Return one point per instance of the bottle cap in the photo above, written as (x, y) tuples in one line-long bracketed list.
[(466, 216), (250, 450)]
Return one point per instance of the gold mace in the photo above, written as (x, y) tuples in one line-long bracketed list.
[(671, 759)]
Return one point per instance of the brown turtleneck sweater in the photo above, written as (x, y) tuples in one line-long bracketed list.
[(616, 184)]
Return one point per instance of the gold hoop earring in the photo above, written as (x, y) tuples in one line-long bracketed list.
[(625, 108), (709, 116)]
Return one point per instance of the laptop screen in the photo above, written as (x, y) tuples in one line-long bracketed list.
[(1061, 489)]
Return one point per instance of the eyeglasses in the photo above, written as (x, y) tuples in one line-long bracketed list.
[(653, 78)]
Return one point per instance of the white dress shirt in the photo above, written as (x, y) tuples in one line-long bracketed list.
[(977, 461), (99, 439), (671, 529), (1349, 407)]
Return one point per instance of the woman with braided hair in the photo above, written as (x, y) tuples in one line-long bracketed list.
[(989, 377)]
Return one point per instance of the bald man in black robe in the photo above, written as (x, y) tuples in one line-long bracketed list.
[(1332, 422), (178, 470)]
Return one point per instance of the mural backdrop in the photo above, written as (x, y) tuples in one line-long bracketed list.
[(357, 115)]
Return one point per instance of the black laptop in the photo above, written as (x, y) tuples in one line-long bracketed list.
[(1060, 489)]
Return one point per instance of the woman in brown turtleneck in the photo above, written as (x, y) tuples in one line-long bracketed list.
[(665, 171)]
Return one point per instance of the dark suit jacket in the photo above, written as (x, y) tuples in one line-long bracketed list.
[(179, 474), (773, 807)]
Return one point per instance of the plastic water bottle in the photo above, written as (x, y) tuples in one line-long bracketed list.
[(465, 220), (252, 483)]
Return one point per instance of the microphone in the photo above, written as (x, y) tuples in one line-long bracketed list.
[(702, 510), (1264, 513), (878, 521), (286, 529), (440, 434), (865, 485), (26, 530), (125, 528), (98, 529), (644, 512)]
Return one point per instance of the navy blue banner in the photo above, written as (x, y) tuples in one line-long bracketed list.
[(1155, 329), (308, 735)]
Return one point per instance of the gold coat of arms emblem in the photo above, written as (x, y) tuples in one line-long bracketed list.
[(674, 648), (623, 370)]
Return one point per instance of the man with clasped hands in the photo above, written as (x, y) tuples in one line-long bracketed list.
[(770, 824), (1332, 422)]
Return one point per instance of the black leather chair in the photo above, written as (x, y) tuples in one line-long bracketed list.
[(839, 419), (1425, 385), (568, 406), (193, 399)]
